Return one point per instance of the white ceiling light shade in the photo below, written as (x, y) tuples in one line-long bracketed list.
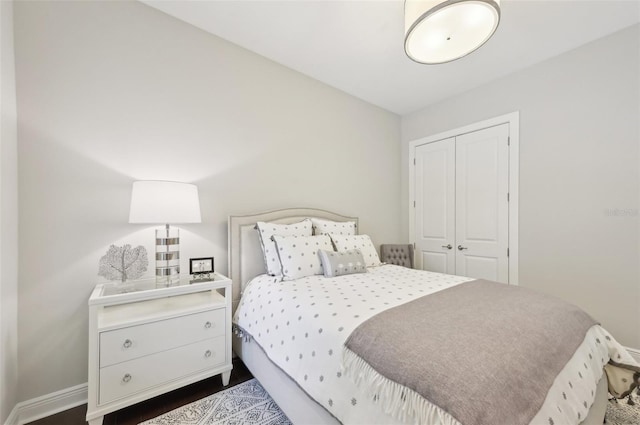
[(439, 31)]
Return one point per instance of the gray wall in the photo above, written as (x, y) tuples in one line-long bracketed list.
[(112, 92), (579, 180), (8, 217)]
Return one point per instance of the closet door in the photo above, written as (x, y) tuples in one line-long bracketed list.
[(435, 206), (482, 208)]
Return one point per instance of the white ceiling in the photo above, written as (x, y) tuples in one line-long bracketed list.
[(357, 46)]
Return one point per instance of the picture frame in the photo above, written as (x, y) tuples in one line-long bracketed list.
[(200, 266)]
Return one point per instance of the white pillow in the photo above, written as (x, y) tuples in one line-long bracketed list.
[(299, 254), (267, 230), (361, 242), (328, 227)]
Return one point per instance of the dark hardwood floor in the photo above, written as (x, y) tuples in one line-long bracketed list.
[(145, 410)]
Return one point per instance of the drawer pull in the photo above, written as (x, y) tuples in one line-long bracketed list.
[(127, 343), (207, 325), (207, 353), (126, 378)]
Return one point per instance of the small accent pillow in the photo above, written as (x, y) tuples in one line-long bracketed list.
[(341, 263), (361, 242), (266, 230), (299, 254), (328, 227)]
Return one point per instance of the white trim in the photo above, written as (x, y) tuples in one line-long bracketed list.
[(47, 405), (12, 419), (635, 353), (513, 119)]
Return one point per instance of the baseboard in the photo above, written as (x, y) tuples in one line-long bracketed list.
[(12, 419), (635, 353), (47, 405)]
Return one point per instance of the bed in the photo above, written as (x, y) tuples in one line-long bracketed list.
[(308, 379)]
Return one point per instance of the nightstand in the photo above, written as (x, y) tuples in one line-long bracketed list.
[(145, 341)]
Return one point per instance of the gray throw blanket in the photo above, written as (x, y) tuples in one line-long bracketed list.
[(486, 353)]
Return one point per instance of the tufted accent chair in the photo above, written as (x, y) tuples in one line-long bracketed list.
[(400, 255)]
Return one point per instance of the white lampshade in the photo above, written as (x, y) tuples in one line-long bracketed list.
[(439, 31), (163, 202)]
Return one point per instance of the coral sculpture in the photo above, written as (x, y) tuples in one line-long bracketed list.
[(123, 262)]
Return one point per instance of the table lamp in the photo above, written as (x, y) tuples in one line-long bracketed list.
[(165, 202)]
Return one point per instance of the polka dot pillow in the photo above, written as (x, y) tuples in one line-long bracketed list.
[(341, 263), (299, 254), (267, 230), (361, 242), (328, 227)]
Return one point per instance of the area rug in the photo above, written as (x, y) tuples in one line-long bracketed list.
[(244, 404), (249, 404)]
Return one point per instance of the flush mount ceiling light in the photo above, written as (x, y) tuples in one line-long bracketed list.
[(439, 31)]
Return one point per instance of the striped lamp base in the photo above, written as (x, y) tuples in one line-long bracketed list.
[(167, 256)]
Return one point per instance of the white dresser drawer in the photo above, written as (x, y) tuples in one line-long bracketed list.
[(124, 379), (136, 341)]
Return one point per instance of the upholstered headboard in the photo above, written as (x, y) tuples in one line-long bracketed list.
[(245, 253)]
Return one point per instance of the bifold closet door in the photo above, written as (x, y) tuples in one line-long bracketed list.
[(435, 206), (482, 206)]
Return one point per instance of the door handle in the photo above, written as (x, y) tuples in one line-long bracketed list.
[(460, 247), (447, 246)]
